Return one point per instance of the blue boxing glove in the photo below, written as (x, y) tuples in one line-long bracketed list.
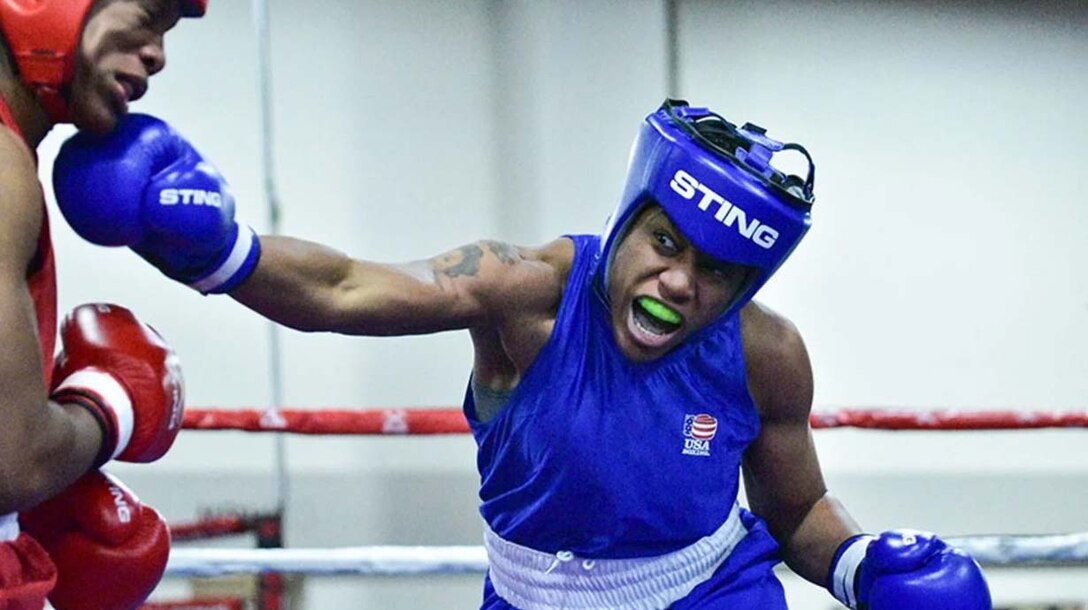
[(144, 186), (906, 570)]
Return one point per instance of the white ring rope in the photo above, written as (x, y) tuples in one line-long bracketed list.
[(1057, 549), (372, 560), (1070, 549)]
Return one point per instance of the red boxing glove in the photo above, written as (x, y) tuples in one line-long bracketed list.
[(110, 550), (127, 376)]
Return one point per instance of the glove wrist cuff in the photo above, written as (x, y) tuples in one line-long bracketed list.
[(843, 576), (108, 401), (239, 262), (9, 527)]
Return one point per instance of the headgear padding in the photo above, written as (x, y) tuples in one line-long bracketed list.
[(716, 184)]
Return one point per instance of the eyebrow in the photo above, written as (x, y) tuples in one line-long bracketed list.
[(659, 216), (701, 257)]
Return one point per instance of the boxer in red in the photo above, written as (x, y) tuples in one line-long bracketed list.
[(115, 390)]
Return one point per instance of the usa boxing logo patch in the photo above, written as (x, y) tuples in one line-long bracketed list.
[(699, 430)]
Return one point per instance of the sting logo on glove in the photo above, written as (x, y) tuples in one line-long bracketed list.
[(190, 197), (124, 511), (144, 186)]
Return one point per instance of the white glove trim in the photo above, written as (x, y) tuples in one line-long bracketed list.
[(113, 394), (9, 527), (239, 252), (842, 577)]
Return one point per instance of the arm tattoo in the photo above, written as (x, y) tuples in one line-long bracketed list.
[(507, 254), (467, 264)]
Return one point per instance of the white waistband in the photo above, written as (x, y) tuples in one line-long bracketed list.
[(535, 580), (9, 527)]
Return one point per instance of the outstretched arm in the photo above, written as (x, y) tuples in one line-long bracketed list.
[(146, 187), (311, 287)]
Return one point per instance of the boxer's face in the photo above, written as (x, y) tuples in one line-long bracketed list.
[(120, 49), (663, 289)]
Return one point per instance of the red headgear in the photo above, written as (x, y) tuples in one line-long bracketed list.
[(42, 35)]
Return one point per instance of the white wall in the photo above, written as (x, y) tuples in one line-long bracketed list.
[(944, 265), (943, 269)]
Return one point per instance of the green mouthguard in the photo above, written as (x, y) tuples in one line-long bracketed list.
[(659, 311)]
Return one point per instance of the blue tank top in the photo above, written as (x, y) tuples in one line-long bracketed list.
[(613, 459)]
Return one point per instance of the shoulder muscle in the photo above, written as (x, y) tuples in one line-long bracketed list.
[(778, 367), (506, 280)]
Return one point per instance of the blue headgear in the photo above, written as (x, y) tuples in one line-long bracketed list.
[(715, 182)]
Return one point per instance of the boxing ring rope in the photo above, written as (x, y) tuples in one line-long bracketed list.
[(368, 561), (210, 527), (420, 420), (1052, 550), (270, 562), (1005, 551), (207, 603)]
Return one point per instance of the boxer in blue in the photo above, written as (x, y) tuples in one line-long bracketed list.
[(622, 383)]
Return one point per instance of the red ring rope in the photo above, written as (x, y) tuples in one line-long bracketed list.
[(211, 527), (206, 603), (421, 420)]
